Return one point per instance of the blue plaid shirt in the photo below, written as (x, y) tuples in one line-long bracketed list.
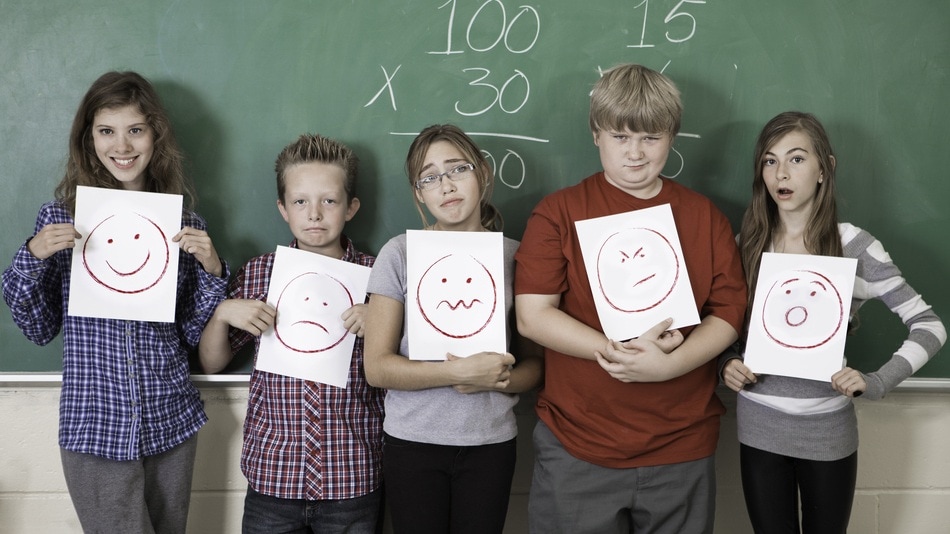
[(127, 391)]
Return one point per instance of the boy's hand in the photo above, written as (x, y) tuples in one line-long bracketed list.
[(484, 371), (51, 239), (198, 244), (667, 340), (643, 359), (849, 382), (250, 315), (736, 375), (354, 319)]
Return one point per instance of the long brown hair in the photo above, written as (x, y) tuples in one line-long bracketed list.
[(491, 218), (761, 220), (112, 90)]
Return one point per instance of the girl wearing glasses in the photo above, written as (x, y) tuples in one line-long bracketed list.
[(449, 444)]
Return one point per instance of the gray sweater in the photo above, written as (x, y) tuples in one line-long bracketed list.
[(808, 419)]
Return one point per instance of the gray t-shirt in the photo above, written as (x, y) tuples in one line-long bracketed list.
[(442, 416)]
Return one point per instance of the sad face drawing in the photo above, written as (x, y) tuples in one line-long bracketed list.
[(802, 310), (308, 313), (457, 296), (637, 269), (126, 253)]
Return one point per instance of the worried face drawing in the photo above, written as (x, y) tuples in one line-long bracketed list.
[(126, 253), (802, 310), (308, 313), (637, 269), (457, 296)]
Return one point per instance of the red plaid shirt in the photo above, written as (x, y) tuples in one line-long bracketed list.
[(302, 439)]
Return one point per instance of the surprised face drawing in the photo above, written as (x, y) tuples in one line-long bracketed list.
[(637, 269), (802, 310), (308, 313), (457, 296), (126, 253)]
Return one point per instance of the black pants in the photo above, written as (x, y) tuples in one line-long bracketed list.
[(442, 489), (772, 483)]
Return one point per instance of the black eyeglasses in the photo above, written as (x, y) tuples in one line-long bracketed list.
[(456, 174)]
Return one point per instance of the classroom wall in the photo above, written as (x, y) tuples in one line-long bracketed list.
[(903, 476)]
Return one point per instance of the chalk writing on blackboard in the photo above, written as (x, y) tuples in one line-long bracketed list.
[(492, 26)]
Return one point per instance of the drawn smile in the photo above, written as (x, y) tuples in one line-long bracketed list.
[(134, 271)]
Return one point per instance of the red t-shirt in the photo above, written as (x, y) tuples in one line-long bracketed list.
[(596, 417)]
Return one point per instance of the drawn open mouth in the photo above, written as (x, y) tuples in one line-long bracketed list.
[(796, 316)]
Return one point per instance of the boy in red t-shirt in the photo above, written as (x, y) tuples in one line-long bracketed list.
[(627, 430)]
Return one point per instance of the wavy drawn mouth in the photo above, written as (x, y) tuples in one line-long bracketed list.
[(458, 304), (130, 273), (312, 323)]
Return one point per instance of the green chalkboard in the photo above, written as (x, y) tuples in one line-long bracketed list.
[(242, 78)]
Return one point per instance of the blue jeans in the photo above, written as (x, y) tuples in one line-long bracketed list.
[(264, 514)]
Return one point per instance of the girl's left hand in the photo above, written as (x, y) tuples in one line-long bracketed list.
[(849, 382), (198, 244)]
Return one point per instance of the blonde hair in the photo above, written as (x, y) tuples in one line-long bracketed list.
[(491, 218), (635, 98), (317, 148)]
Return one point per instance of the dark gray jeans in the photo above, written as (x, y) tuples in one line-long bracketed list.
[(571, 496)]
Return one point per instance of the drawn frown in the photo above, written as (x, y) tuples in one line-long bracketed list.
[(308, 313), (126, 253), (457, 296)]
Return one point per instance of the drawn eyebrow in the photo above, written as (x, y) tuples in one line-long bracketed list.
[(785, 283), (819, 284)]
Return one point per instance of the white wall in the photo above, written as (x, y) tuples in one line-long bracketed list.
[(903, 478)]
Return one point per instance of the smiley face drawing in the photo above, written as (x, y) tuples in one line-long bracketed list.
[(637, 269), (457, 296), (126, 253), (802, 310), (308, 313)]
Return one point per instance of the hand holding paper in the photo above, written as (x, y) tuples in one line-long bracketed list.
[(354, 319), (51, 239), (644, 359)]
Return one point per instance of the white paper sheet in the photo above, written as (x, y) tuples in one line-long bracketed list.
[(125, 266), (456, 293), (636, 271), (310, 293), (800, 315)]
